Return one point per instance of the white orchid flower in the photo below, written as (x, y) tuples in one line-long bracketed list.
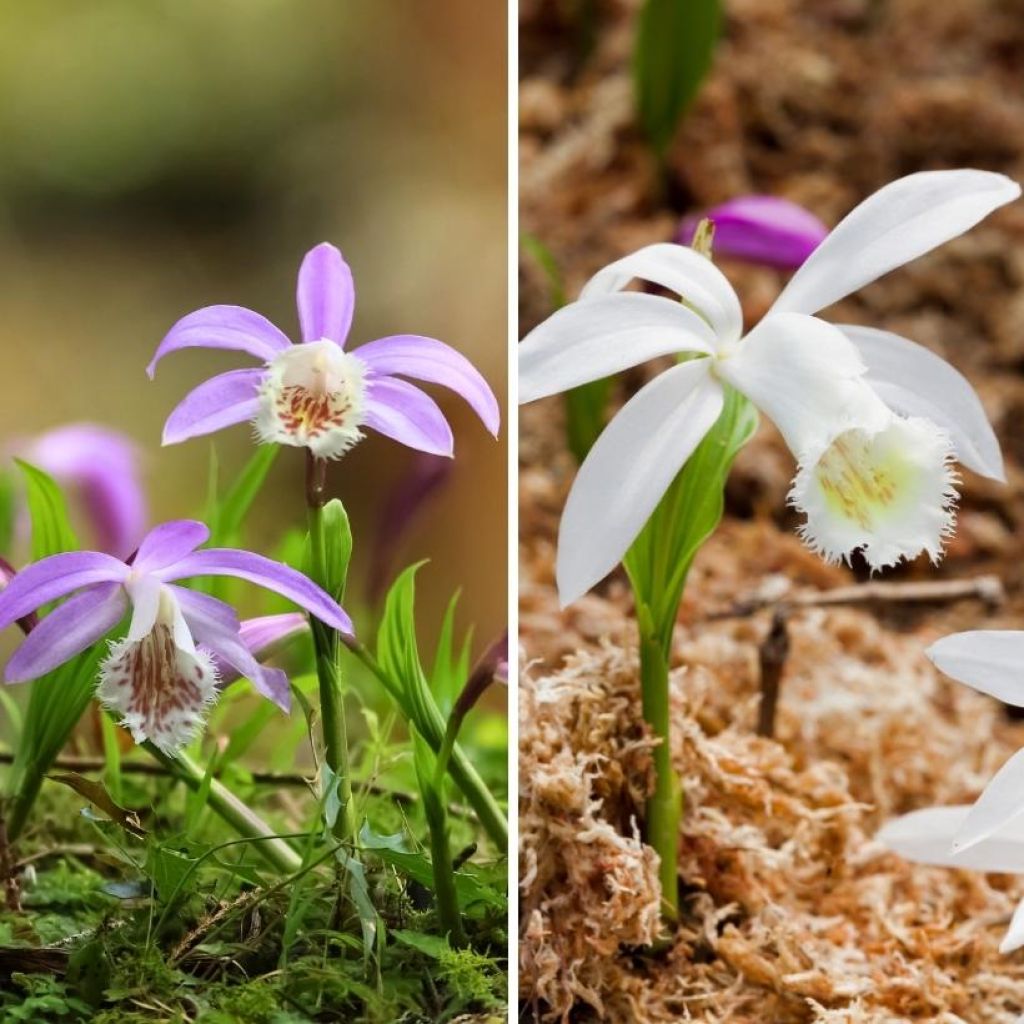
[(926, 837), (873, 419)]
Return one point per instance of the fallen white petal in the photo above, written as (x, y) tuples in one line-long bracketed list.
[(926, 837), (1014, 937), (916, 382), (680, 269), (589, 340), (900, 222), (628, 470), (1001, 804), (989, 660)]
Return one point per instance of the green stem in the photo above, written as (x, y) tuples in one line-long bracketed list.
[(432, 729), (665, 804), (441, 863), (325, 642), (238, 815)]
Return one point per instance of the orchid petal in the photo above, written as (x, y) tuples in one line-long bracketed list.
[(405, 414), (66, 631), (216, 627), (219, 402), (224, 327), (145, 593), (103, 465), (999, 807), (903, 220), (926, 837), (682, 270), (203, 611), (228, 648), (168, 542), (988, 660), (594, 338), (807, 377), (1014, 938), (916, 382), (263, 572), (760, 229), (628, 470), (326, 295), (55, 577), (410, 355)]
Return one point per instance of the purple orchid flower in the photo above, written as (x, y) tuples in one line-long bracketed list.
[(102, 465), (315, 394), (162, 676), (760, 229)]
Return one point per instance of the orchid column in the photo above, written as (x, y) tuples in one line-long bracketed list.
[(873, 420)]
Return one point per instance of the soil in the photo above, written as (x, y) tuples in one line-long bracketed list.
[(793, 912)]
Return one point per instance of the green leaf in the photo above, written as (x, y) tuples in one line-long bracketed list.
[(674, 48), (51, 525), (231, 510), (543, 257), (585, 415), (660, 557), (337, 534), (431, 945), (167, 869)]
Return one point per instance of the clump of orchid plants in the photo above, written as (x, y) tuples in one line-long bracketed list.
[(874, 421), (148, 624)]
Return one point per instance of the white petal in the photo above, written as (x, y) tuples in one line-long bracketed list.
[(989, 660), (900, 222), (1014, 937), (916, 382), (887, 492), (806, 376), (628, 470), (680, 269), (926, 837), (999, 807), (588, 340), (145, 597)]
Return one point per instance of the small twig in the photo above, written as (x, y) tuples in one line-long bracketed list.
[(986, 588), (772, 654)]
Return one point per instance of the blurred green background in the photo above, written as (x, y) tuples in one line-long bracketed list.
[(157, 157)]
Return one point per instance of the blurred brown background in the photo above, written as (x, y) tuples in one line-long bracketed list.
[(163, 156)]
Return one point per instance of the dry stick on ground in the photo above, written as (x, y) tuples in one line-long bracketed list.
[(986, 588), (771, 658), (12, 891)]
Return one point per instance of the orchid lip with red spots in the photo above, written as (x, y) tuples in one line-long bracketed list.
[(315, 394), (166, 671)]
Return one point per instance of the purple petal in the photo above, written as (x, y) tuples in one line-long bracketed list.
[(219, 402), (229, 650), (103, 466), (326, 295), (54, 577), (263, 572), (167, 543), (409, 355), (204, 612), (67, 631), (226, 327), (407, 415), (761, 229)]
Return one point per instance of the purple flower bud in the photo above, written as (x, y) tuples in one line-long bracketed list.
[(101, 468), (760, 229)]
